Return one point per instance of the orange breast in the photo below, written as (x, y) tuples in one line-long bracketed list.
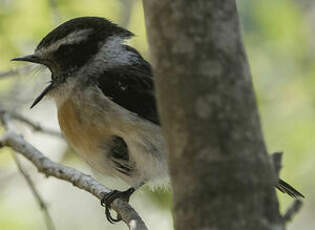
[(85, 137)]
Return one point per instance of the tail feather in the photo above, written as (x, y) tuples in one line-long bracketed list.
[(286, 188)]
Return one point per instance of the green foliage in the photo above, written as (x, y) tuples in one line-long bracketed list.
[(279, 43)]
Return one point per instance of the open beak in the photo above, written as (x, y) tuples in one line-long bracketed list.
[(34, 59), (28, 58), (40, 97)]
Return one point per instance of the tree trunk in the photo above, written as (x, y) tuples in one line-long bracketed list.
[(220, 171)]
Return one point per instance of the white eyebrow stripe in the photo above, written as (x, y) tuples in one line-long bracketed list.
[(113, 53), (72, 38)]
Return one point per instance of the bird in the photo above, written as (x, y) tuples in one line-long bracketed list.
[(106, 106)]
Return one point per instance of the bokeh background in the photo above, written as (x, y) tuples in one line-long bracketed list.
[(279, 40)]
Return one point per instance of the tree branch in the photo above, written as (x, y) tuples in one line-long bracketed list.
[(77, 178)]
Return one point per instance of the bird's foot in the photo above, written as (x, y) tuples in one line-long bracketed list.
[(110, 197)]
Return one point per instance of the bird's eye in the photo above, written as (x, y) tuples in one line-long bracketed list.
[(65, 49)]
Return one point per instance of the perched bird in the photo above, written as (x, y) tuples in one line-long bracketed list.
[(104, 94)]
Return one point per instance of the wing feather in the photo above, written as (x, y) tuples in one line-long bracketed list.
[(131, 86)]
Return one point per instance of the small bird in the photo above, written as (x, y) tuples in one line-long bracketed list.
[(104, 93)]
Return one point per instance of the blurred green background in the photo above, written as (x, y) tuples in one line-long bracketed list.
[(279, 40)]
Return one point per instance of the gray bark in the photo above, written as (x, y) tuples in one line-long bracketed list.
[(220, 171)]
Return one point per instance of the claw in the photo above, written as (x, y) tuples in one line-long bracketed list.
[(110, 197)]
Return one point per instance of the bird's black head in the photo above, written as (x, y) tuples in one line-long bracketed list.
[(71, 45)]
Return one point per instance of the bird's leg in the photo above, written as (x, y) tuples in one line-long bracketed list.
[(110, 197)]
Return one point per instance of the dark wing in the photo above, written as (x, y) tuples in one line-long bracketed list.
[(131, 86)]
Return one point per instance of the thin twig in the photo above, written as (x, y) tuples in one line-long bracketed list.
[(55, 11), (126, 11), (292, 211), (77, 178), (35, 126), (16, 72), (5, 120), (48, 220)]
